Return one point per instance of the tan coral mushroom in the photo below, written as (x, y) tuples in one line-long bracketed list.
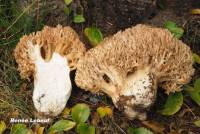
[(131, 64), (48, 56)]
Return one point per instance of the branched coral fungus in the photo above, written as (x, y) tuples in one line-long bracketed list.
[(48, 56), (130, 65)]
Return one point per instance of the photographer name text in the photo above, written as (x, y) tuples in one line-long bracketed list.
[(13, 120)]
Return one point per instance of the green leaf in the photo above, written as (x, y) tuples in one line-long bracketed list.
[(187, 88), (91, 130), (83, 128), (174, 29), (19, 129), (80, 113), (194, 92), (2, 127), (79, 19), (195, 95), (197, 84), (94, 35), (67, 10), (61, 125), (196, 58), (67, 2), (173, 104), (140, 130), (197, 123)]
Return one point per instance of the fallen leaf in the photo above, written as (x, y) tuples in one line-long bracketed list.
[(80, 113), (95, 119), (66, 112), (14, 114), (38, 129), (173, 104), (2, 127), (104, 111), (196, 11), (108, 111), (61, 125), (23, 87), (155, 126)]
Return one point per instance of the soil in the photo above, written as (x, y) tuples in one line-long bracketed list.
[(114, 15)]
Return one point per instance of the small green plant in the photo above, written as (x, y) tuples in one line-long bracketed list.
[(77, 18), (80, 114), (174, 29)]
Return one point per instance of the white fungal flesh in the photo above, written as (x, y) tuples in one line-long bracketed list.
[(140, 87), (52, 85)]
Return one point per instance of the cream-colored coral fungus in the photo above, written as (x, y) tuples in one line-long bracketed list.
[(130, 65), (48, 56)]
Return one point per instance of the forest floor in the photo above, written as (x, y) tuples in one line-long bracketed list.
[(16, 94)]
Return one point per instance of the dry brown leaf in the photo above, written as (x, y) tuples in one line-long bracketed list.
[(95, 119), (109, 111), (23, 87), (183, 112), (105, 111), (174, 132), (38, 129), (66, 112), (155, 126), (14, 114)]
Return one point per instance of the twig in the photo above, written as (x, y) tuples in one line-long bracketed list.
[(119, 128), (190, 110)]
